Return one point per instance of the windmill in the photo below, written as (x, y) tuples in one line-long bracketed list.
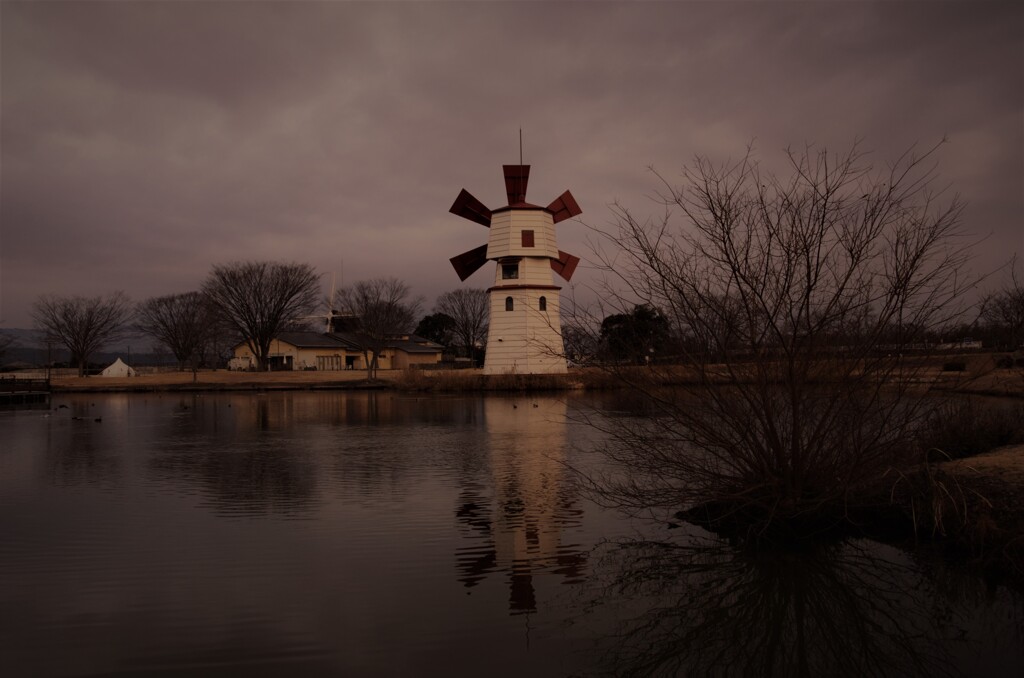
[(525, 333), (330, 315)]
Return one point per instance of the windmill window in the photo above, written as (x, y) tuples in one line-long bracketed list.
[(508, 304), (509, 271), (543, 305), (527, 238)]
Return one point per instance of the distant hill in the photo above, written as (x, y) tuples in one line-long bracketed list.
[(28, 348), (23, 337)]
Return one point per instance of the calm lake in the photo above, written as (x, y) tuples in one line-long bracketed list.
[(380, 534)]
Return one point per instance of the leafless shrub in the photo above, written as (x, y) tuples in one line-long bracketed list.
[(798, 303)]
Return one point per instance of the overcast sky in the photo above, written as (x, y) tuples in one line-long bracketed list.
[(142, 142)]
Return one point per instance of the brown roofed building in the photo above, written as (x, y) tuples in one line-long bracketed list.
[(336, 351)]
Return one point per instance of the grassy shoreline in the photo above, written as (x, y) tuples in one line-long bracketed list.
[(978, 379)]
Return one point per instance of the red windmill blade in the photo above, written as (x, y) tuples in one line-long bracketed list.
[(563, 207), (565, 265), (468, 263), (468, 207)]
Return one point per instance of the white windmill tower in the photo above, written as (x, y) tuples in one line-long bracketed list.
[(525, 335)]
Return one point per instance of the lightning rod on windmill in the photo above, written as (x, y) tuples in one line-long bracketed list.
[(525, 333)]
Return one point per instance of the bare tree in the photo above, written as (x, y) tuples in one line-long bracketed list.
[(580, 347), (470, 311), (798, 300), (1002, 312), (219, 344), (185, 323), (82, 324), (379, 309), (259, 299)]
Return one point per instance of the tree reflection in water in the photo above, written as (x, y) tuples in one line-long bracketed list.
[(246, 460), (706, 608)]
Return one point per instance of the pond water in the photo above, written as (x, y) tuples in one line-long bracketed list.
[(378, 534)]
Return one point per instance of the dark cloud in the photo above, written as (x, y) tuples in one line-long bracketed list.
[(142, 142)]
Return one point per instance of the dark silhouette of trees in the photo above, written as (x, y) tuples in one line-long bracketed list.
[(773, 422), (379, 309), (260, 299), (635, 337), (437, 327), (186, 324), (469, 310), (82, 324)]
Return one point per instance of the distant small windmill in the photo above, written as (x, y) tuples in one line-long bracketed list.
[(525, 333), (331, 314)]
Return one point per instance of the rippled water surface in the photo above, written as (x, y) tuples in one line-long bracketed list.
[(374, 534)]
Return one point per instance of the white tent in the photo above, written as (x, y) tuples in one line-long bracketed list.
[(118, 369)]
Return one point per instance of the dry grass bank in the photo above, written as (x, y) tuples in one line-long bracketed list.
[(990, 493), (215, 380), (413, 380), (978, 377)]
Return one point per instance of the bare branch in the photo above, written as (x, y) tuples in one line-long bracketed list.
[(187, 324), (469, 310), (82, 324), (379, 309), (259, 299), (794, 301)]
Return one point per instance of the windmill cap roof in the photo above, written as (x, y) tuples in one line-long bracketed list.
[(521, 206)]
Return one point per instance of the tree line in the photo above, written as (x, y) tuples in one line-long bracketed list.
[(645, 333), (252, 302)]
